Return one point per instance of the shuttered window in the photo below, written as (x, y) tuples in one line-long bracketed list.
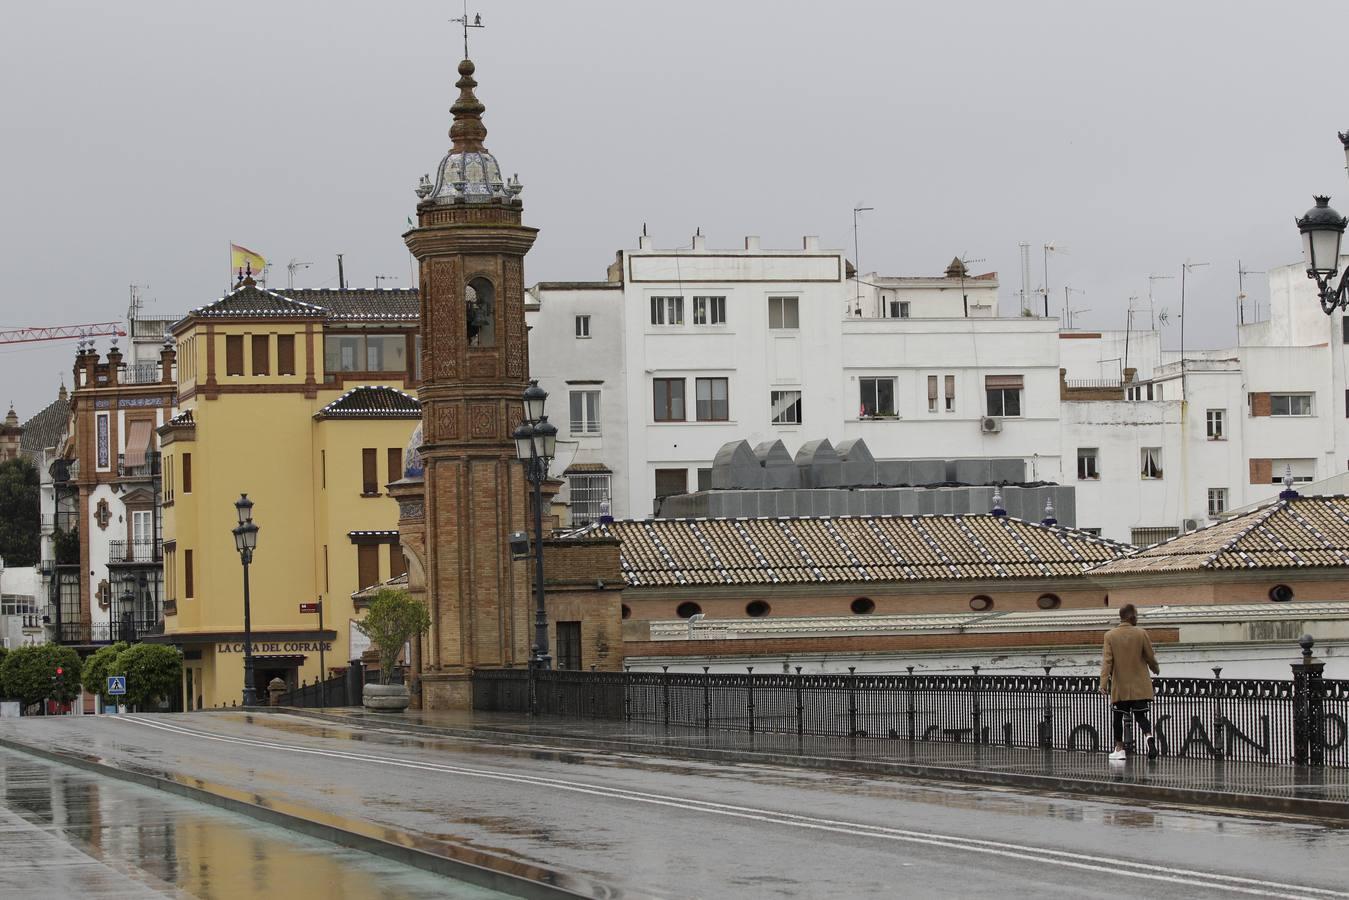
[(395, 464), (187, 473), (262, 354), (188, 579), (234, 354), (397, 564), (369, 474), (285, 354), (367, 565)]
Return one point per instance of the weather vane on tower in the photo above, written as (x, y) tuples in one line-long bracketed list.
[(476, 23)]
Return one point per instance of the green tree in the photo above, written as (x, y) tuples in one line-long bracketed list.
[(30, 673), (154, 672), (19, 523), (67, 546), (4, 693), (392, 620), (99, 666)]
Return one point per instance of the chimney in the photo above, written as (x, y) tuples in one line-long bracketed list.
[(751, 242), (167, 357), (114, 363), (810, 242), (644, 242)]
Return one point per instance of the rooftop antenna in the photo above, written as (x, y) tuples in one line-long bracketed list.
[(1184, 270), (1152, 322), (476, 23), (857, 256), (1025, 276), (1241, 292), (1050, 247), (1128, 326), (380, 279), (341, 276), (290, 271), (1067, 311), (964, 270)]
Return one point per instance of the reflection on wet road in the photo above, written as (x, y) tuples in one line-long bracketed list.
[(68, 834), (678, 828)]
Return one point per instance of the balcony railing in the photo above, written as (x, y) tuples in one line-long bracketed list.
[(135, 551), (148, 469)]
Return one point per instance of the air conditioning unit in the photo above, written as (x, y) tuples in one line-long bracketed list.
[(1189, 525), (990, 425)]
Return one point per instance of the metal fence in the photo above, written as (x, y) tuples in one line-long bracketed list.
[(340, 690), (1247, 720)]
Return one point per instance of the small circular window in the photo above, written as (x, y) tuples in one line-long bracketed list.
[(757, 609), (1281, 593), (1049, 601), (627, 611), (981, 602), (863, 606), (688, 610)]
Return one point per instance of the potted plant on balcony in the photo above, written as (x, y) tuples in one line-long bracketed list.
[(392, 620)]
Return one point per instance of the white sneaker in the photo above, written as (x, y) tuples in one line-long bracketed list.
[(1119, 755)]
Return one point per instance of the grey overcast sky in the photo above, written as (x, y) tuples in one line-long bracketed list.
[(140, 138)]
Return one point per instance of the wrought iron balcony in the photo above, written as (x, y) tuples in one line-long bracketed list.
[(148, 469), (135, 551)]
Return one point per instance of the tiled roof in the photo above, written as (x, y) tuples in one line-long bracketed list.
[(364, 305), (1305, 532), (354, 305), (46, 429), (372, 402), (661, 552), (184, 418)]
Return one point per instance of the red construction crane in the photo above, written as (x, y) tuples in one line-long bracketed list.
[(61, 332)]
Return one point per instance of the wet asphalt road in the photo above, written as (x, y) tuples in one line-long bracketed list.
[(649, 826)]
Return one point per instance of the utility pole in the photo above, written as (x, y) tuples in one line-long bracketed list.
[(857, 257)]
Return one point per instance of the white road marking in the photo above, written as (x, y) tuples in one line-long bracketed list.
[(1069, 859)]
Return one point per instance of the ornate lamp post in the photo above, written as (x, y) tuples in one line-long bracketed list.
[(245, 540), (125, 619), (1322, 229), (535, 444)]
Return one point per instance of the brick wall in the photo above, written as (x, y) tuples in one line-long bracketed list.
[(1262, 470), (1259, 403), (583, 583)]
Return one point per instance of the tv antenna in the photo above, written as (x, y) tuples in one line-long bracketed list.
[(1185, 270), (1152, 324), (380, 279), (1067, 309), (857, 256), (476, 23), (291, 267), (1241, 293), (1049, 248)]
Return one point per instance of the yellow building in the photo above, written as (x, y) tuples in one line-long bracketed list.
[(298, 400)]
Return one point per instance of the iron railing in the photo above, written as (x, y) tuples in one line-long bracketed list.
[(340, 690), (1245, 720), (135, 551)]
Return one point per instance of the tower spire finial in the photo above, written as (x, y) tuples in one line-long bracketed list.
[(468, 132), (476, 23)]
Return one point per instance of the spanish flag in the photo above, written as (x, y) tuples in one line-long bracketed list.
[(241, 258)]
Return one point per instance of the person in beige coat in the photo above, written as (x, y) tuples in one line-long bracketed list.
[(1127, 666)]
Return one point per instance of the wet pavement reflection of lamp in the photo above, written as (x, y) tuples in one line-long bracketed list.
[(245, 540)]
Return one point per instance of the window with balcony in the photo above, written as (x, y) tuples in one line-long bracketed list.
[(877, 397), (713, 400), (585, 412), (784, 312), (667, 311), (668, 399), (1086, 464), (709, 310)]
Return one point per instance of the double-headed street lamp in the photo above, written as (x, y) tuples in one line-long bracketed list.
[(1322, 230), (535, 444), (245, 540)]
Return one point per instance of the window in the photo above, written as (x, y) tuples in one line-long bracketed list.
[(703, 479), (262, 354), (671, 481), (1086, 464), (950, 393), (395, 463), (170, 572), (585, 412), (712, 403), (398, 564), (1004, 394), (785, 407), (142, 536), (187, 473), (587, 493), (285, 354), (667, 310), (367, 565), (569, 646), (1216, 423), (1290, 404), (668, 399), (878, 397), (709, 310), (1217, 501), (189, 580), (783, 312), (932, 393), (343, 353), (583, 326), (369, 475), (386, 353), (896, 309), (1303, 470), (1150, 462), (234, 354)]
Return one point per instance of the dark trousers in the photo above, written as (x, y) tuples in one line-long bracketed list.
[(1140, 710)]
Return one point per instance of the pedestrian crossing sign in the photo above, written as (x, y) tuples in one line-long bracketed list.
[(116, 685)]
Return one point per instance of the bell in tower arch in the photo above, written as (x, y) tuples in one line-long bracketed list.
[(480, 304)]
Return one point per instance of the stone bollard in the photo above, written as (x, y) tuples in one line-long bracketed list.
[(275, 688)]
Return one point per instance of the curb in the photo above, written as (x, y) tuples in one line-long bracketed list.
[(1305, 807), (471, 873)]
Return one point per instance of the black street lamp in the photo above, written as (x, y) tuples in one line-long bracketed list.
[(535, 443), (1322, 229), (245, 540), (128, 604)]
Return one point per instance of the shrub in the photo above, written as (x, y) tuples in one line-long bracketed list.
[(4, 694), (153, 673), (29, 673), (99, 666), (392, 620)]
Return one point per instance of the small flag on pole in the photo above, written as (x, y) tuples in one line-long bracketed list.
[(241, 258)]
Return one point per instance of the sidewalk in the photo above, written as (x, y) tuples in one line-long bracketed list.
[(1320, 793)]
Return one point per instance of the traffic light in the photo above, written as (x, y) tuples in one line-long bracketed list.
[(59, 671)]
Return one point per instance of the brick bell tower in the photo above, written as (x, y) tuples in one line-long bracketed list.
[(470, 247)]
